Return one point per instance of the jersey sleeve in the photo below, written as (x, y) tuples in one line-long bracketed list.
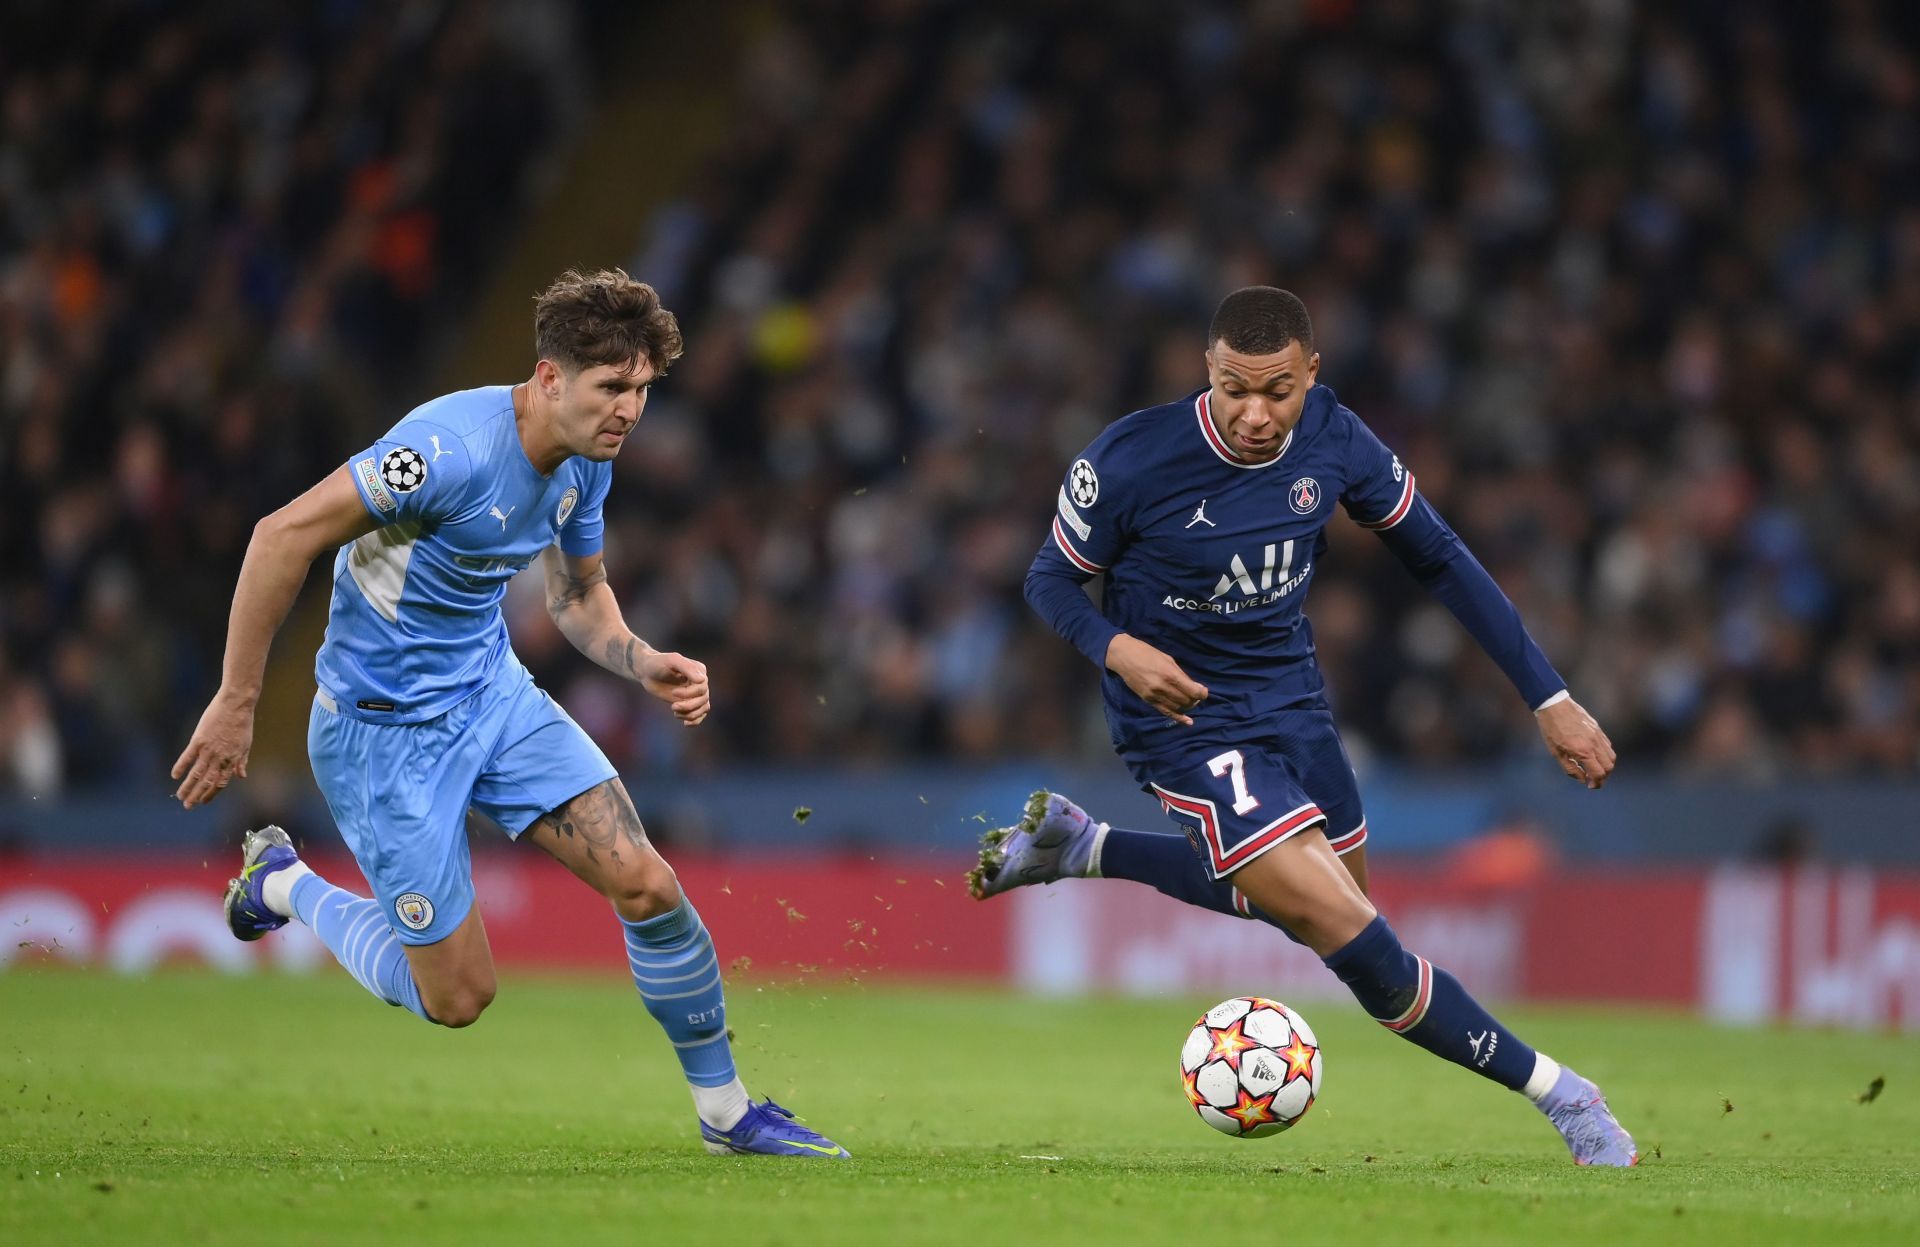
[(418, 471), (1091, 527), (1089, 514), (1379, 488), (585, 533)]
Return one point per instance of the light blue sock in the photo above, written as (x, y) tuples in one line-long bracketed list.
[(355, 931), (678, 974)]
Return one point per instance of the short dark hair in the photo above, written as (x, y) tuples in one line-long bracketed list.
[(1260, 320), (607, 317)]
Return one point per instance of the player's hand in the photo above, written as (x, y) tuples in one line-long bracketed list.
[(680, 682), (217, 754), (1576, 742), (1155, 677)]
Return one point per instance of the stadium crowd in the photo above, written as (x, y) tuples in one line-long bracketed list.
[(224, 235), (1635, 291)]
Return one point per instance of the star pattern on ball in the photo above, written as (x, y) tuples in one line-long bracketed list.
[(1228, 1043), (1299, 1059), (1192, 1083), (1252, 1110)]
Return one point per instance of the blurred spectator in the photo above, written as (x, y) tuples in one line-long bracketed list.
[(1634, 288), (225, 235)]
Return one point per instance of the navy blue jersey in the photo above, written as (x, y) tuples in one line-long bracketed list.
[(1209, 558)]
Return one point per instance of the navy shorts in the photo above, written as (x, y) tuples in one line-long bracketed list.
[(1237, 797), (400, 792)]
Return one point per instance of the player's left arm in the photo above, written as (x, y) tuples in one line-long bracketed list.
[(588, 615), (1383, 497)]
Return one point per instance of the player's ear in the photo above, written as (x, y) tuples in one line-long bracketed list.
[(547, 375), (1313, 367)]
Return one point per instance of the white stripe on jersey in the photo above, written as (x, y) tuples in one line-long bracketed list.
[(378, 563)]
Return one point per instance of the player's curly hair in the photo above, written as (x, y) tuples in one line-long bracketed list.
[(1261, 320), (607, 317)]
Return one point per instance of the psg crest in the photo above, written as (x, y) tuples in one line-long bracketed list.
[(1305, 495)]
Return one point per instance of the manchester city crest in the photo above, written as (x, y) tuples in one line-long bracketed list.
[(415, 910), (1305, 495), (566, 505)]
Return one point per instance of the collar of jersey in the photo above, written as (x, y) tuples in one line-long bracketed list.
[(1203, 411)]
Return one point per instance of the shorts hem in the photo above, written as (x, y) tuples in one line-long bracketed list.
[(426, 938), (1343, 845)]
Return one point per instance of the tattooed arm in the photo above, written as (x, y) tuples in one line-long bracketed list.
[(588, 615)]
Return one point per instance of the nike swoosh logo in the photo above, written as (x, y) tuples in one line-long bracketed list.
[(814, 1147)]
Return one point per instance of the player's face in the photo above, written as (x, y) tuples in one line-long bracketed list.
[(600, 405), (1257, 399)]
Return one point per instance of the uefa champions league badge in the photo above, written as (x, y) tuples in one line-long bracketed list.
[(566, 505), (1305, 495), (415, 910), (403, 470), (1086, 484)]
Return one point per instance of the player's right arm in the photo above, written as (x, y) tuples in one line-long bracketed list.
[(1090, 531), (283, 548)]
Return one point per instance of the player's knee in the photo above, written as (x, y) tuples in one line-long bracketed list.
[(462, 1004), (646, 889)]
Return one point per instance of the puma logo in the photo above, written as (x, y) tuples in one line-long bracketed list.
[(495, 513), (437, 452)]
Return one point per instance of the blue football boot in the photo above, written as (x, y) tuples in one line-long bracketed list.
[(1054, 839), (769, 1130), (261, 853), (1580, 1113)]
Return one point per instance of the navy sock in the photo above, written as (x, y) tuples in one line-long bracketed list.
[(1417, 1001), (1167, 863)]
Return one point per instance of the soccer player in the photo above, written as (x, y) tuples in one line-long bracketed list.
[(1207, 517), (423, 711)]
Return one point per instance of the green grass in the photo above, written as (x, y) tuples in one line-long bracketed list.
[(193, 1108)]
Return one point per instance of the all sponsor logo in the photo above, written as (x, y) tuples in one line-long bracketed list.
[(1276, 580), (415, 910), (369, 474)]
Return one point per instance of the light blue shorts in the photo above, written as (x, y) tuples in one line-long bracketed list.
[(400, 792)]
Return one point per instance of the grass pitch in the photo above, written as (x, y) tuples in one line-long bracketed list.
[(192, 1108)]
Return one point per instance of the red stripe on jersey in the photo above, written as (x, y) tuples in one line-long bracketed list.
[(1398, 513), (1060, 539)]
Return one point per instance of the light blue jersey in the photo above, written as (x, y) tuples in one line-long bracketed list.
[(415, 626)]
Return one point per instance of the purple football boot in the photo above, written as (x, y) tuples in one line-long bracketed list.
[(261, 853), (1580, 1113), (1054, 839), (769, 1130)]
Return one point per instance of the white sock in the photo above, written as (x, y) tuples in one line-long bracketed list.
[(1099, 843), (1546, 1072), (720, 1107), (277, 889)]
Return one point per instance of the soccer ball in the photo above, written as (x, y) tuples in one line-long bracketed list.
[(1251, 1067)]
